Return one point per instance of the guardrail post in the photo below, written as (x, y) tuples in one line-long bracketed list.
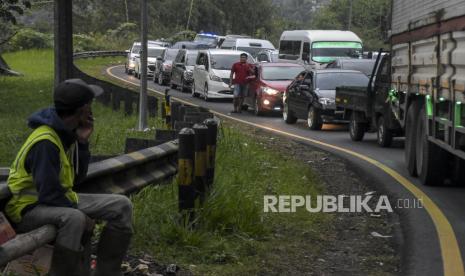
[(200, 164), (212, 133), (186, 193)]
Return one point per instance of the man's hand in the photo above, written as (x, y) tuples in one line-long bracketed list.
[(84, 131)]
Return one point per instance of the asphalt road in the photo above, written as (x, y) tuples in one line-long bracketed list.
[(433, 236)]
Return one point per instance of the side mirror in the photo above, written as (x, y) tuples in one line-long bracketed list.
[(159, 58), (201, 67)]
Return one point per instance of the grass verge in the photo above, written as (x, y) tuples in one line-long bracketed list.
[(232, 235), (21, 96)]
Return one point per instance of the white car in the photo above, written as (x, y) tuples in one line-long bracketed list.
[(212, 71), (133, 53), (153, 52)]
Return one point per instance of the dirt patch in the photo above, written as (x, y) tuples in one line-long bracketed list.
[(350, 245)]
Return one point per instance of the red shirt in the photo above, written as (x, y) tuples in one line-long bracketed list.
[(241, 71)]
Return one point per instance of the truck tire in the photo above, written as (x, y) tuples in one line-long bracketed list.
[(430, 158), (288, 117), (356, 129), (314, 120), (384, 135), (410, 134), (459, 172)]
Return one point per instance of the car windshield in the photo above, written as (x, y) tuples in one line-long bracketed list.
[(191, 59), (329, 51), (225, 62), (277, 73), (152, 52), (329, 81), (251, 50), (171, 54), (136, 49), (205, 39)]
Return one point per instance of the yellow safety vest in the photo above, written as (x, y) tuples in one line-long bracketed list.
[(20, 182)]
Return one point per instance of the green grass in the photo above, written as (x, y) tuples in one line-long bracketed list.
[(21, 96), (232, 234)]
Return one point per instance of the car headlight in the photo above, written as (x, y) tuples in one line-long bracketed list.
[(326, 101), (214, 77), (270, 91)]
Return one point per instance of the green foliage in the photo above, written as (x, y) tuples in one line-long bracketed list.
[(10, 9), (182, 36), (30, 39), (124, 31), (231, 226)]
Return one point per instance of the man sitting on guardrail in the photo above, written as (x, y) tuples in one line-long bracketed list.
[(53, 158)]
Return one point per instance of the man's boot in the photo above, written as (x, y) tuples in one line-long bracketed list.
[(64, 261), (112, 248), (85, 259)]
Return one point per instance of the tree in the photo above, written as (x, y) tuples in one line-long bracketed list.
[(9, 11)]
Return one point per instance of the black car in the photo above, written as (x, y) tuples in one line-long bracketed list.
[(313, 97), (363, 65), (183, 66), (163, 66)]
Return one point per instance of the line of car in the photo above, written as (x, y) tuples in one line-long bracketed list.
[(204, 72)]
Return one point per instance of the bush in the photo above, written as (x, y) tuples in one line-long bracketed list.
[(83, 42), (30, 39)]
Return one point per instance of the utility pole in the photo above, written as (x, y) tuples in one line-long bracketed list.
[(126, 10), (189, 17), (143, 67), (350, 15)]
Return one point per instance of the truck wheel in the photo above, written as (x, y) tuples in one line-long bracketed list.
[(314, 120), (384, 135), (410, 138), (430, 158), (459, 172), (287, 115), (356, 129)]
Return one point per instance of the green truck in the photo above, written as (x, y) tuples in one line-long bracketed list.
[(418, 90)]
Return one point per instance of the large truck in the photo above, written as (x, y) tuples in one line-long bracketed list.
[(425, 100)]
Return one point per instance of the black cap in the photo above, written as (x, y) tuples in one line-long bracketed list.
[(243, 55), (74, 93)]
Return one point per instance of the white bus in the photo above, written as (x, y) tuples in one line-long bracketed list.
[(318, 47)]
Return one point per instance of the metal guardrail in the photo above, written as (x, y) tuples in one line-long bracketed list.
[(92, 54), (121, 175)]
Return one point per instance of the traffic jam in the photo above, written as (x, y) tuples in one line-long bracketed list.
[(326, 77)]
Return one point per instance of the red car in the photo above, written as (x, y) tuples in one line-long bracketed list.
[(266, 90)]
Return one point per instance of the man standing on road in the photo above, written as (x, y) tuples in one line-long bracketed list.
[(242, 72), (52, 160)]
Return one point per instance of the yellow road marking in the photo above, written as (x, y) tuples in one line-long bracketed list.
[(451, 256)]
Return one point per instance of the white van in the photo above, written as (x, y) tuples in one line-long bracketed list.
[(249, 45), (318, 47)]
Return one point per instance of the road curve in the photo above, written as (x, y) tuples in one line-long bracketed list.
[(434, 236)]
